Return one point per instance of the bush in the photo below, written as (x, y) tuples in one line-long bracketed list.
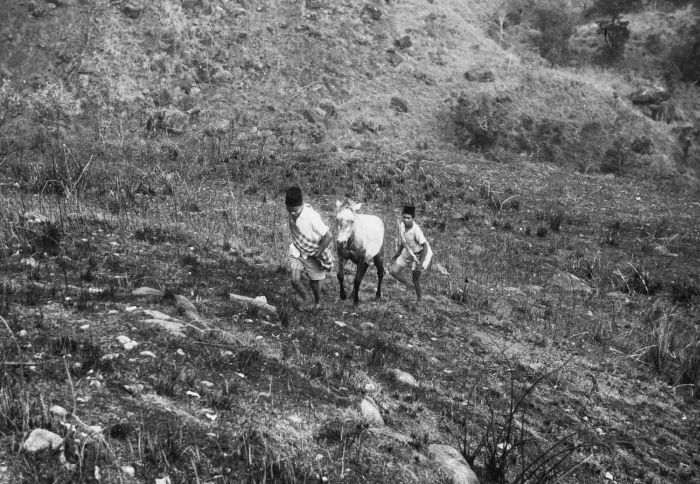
[(557, 26), (479, 122), (616, 158), (686, 56), (615, 31)]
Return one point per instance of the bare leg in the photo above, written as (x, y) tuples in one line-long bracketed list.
[(298, 284), (316, 289), (397, 273), (416, 284)]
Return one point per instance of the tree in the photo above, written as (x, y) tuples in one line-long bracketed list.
[(615, 32), (614, 8), (557, 27)]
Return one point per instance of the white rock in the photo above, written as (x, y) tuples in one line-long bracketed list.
[(193, 394), (404, 377), (441, 269), (163, 480), (22, 333), (453, 463), (84, 327), (129, 471), (130, 309), (609, 476), (371, 413), (130, 345), (340, 324), (150, 354), (42, 439), (262, 299), (156, 314), (123, 339), (206, 384), (58, 411), (180, 352), (568, 282)]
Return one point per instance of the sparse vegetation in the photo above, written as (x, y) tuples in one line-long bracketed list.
[(155, 153)]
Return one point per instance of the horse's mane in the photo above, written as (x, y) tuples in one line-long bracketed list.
[(347, 203)]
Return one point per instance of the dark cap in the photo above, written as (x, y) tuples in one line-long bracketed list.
[(409, 210), (293, 197)]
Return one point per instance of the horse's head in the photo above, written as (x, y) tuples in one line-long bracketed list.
[(345, 217)]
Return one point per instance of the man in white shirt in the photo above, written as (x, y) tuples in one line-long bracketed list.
[(414, 252), (310, 252)]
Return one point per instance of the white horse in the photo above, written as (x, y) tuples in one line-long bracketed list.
[(360, 239)]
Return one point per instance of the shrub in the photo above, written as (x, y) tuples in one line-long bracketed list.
[(479, 121), (616, 158), (557, 26), (686, 55), (614, 31), (638, 280), (683, 290)]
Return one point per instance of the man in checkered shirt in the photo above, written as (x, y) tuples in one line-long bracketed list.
[(310, 252)]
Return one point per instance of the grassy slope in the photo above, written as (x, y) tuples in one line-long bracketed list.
[(205, 228)]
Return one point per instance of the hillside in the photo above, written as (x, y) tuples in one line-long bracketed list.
[(144, 152)]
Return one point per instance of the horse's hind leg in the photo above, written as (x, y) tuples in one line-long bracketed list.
[(379, 264), (359, 275), (341, 277)]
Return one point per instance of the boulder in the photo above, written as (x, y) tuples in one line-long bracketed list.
[(372, 12), (40, 440), (365, 125), (171, 121), (370, 412), (393, 57), (218, 128), (399, 104), (480, 76), (132, 10), (476, 251), (308, 116), (453, 463), (329, 108), (404, 377), (58, 411), (404, 42), (569, 282), (650, 95)]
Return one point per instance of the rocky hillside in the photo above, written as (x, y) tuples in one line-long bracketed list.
[(148, 329), (346, 74)]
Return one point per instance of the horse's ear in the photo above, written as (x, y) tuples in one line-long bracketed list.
[(356, 207), (337, 204)]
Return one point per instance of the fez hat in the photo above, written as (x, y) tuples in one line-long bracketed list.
[(409, 210), (293, 197)]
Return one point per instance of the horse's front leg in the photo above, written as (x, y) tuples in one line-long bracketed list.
[(341, 277), (359, 275), (379, 264)]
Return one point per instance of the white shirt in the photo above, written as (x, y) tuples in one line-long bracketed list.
[(414, 238), (311, 225)]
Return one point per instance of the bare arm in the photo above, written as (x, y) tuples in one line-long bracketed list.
[(421, 256), (327, 239)]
